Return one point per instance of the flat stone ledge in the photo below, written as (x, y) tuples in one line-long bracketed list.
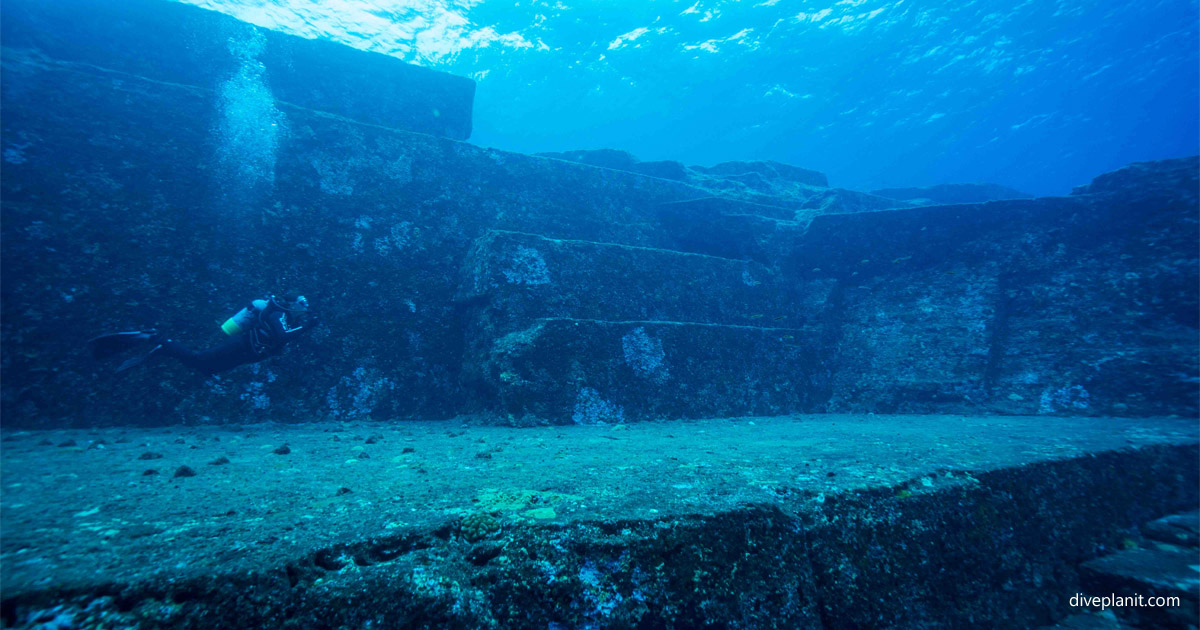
[(78, 504)]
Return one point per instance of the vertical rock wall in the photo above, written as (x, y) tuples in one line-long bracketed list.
[(181, 45), (457, 280), (1079, 305), (120, 212)]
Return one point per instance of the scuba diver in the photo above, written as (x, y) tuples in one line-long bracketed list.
[(259, 331)]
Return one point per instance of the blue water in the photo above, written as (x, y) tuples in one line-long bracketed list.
[(1040, 96)]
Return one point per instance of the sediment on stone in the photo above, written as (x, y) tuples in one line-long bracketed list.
[(807, 522)]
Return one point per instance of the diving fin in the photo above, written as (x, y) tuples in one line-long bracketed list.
[(106, 346), (133, 362)]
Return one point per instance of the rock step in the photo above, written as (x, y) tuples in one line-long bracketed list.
[(803, 523), (1146, 574), (592, 371), (527, 276), (724, 205), (730, 228), (1177, 529)]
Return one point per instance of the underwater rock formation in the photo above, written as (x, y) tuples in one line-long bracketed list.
[(1082, 305), (1010, 307), (765, 170), (607, 158), (455, 280), (163, 165), (551, 343), (761, 182), (180, 44), (1165, 179), (951, 193), (757, 175), (623, 161), (791, 523)]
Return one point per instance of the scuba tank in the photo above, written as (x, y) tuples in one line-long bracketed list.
[(243, 318)]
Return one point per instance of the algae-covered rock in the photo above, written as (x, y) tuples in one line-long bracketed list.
[(453, 279)]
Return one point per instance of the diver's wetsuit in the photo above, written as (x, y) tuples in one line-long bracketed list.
[(266, 339)]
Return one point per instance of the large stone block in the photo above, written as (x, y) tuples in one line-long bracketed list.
[(544, 312), (951, 194), (588, 371), (1172, 179), (372, 223), (730, 228), (920, 342), (1081, 305), (769, 170), (525, 276), (185, 45)]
